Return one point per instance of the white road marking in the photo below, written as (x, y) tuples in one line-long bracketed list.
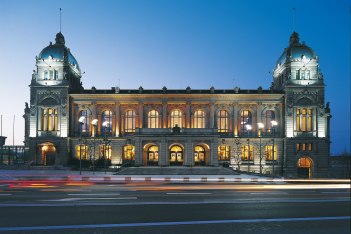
[(188, 193), (271, 193), (151, 224), (93, 194)]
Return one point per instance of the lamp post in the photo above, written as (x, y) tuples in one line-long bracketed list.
[(94, 122), (81, 122), (274, 123), (260, 127), (248, 129), (105, 125)]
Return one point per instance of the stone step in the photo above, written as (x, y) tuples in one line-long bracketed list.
[(176, 171)]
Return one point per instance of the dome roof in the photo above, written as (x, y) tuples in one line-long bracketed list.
[(58, 51), (296, 50)]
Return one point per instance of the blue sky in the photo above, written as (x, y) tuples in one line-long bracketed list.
[(175, 43)]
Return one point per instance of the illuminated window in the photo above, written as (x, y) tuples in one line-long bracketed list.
[(304, 147), (152, 155), (50, 75), (245, 118), (130, 121), (84, 127), (152, 119), (223, 119), (269, 152), (176, 118), (105, 151), (270, 116), (106, 121), (303, 74), (199, 119), (82, 150), (129, 152), (49, 120), (304, 162), (176, 156), (246, 155), (199, 155), (223, 153), (304, 120)]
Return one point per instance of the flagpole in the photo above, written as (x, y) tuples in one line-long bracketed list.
[(13, 131)]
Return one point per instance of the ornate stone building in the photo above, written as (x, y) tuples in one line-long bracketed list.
[(283, 130)]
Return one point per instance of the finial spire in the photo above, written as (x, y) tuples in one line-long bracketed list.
[(293, 16), (60, 18)]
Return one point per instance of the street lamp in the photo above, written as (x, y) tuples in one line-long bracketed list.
[(94, 122), (81, 122), (248, 129), (260, 127), (105, 125), (274, 123)]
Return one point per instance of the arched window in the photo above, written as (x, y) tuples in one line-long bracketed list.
[(245, 119), (269, 152), (50, 75), (105, 151), (152, 155), (82, 150), (152, 119), (246, 154), (304, 120), (199, 155), (176, 118), (49, 119), (106, 123), (129, 152), (270, 116), (84, 127), (199, 119), (222, 120), (223, 153), (176, 155), (130, 121)]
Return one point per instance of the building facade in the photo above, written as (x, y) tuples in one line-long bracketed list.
[(283, 130)]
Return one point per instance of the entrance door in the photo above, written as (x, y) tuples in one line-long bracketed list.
[(304, 166), (199, 156), (152, 156), (176, 156), (48, 153)]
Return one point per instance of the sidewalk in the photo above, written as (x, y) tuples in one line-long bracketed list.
[(100, 176)]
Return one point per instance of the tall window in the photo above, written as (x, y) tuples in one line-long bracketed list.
[(269, 152), (84, 127), (245, 118), (303, 74), (223, 119), (50, 75), (105, 151), (49, 119), (223, 153), (176, 118), (199, 119), (304, 147), (152, 119), (82, 150), (304, 120), (106, 123), (246, 154), (129, 152), (270, 116), (130, 121)]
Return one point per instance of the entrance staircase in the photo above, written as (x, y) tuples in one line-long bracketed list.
[(176, 171)]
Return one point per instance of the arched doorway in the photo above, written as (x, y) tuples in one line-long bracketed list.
[(304, 167), (152, 155), (199, 156), (129, 154), (176, 157), (48, 153)]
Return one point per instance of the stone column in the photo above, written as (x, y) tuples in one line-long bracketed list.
[(212, 117), (188, 153), (163, 153), (187, 115), (164, 115), (235, 119), (214, 152), (138, 152), (141, 114), (118, 119)]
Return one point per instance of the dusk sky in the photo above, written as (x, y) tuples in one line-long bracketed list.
[(175, 43)]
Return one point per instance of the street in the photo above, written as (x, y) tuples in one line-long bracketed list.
[(151, 207)]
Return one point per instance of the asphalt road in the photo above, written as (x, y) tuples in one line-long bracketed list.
[(174, 208)]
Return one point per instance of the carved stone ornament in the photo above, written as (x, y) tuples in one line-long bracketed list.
[(172, 107), (125, 107), (104, 107)]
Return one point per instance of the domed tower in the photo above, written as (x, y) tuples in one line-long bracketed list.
[(46, 118), (307, 117)]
